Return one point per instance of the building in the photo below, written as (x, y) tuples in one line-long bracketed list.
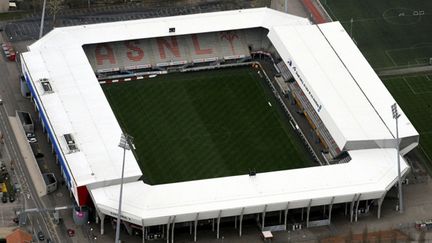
[(338, 89)]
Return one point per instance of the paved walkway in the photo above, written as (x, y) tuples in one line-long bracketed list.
[(29, 159), (404, 71)]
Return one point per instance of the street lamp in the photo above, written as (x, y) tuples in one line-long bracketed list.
[(125, 143), (396, 115)]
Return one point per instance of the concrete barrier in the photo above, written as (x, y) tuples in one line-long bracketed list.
[(29, 159)]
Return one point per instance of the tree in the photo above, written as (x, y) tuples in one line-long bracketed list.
[(54, 7)]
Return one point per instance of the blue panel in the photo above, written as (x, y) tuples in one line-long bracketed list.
[(49, 131)]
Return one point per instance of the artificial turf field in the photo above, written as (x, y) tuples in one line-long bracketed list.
[(414, 95), (394, 34), (198, 125), (389, 33)]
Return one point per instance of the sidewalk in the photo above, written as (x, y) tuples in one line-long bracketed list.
[(397, 71)]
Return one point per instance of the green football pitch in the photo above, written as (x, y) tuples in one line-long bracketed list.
[(390, 33), (207, 124), (394, 34), (414, 95)]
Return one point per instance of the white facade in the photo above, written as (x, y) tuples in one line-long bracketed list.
[(348, 96)]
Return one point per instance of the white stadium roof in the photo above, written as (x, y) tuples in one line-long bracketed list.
[(355, 106), (350, 98), (155, 204)]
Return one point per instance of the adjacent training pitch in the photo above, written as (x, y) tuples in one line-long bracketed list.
[(190, 126), (414, 95), (395, 34)]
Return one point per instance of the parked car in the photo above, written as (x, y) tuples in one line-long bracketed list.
[(5, 197), (71, 232), (11, 198), (31, 137), (41, 236)]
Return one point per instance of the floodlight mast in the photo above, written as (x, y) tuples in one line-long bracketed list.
[(396, 115), (42, 19), (125, 143)]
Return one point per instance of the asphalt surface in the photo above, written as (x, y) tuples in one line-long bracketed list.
[(28, 29), (29, 196)]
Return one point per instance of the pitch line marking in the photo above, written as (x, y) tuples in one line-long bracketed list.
[(387, 52), (415, 92), (411, 88), (413, 47), (389, 18)]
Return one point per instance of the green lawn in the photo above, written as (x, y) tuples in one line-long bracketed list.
[(388, 32), (414, 95), (190, 126)]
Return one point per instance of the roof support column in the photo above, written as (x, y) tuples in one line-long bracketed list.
[(102, 218), (286, 215), (280, 216), (330, 209), (218, 224), (307, 213), (357, 205), (163, 231), (235, 222), (241, 222), (195, 227), (144, 234), (212, 224), (352, 207), (168, 229), (380, 201), (263, 217), (172, 229)]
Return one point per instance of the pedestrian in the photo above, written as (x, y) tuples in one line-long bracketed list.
[(12, 162)]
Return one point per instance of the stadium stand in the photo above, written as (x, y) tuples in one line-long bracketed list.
[(286, 74), (315, 121), (158, 53)]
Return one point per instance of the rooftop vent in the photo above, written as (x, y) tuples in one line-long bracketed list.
[(70, 143), (46, 86)]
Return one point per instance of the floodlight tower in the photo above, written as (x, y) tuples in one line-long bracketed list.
[(42, 19), (125, 143), (396, 115)]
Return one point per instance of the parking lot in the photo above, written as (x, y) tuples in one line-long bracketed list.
[(29, 29)]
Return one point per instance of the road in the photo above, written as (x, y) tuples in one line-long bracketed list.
[(29, 198)]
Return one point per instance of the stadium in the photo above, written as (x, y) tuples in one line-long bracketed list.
[(213, 102)]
